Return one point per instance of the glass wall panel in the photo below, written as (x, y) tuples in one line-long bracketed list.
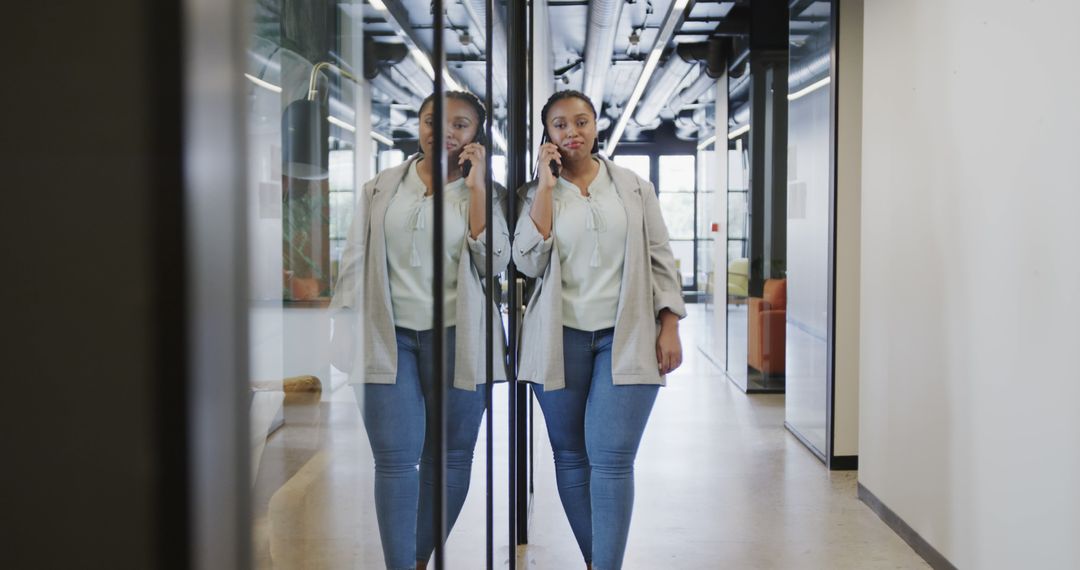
[(810, 121), (310, 148), (345, 434), (738, 259)]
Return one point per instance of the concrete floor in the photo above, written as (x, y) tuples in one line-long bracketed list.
[(720, 484)]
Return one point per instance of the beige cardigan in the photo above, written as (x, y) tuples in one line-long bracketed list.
[(649, 285), (367, 296)]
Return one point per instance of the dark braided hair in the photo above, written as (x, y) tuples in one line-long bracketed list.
[(469, 98), (567, 94)]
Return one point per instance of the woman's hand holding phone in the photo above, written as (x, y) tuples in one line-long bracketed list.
[(472, 163), (551, 164)]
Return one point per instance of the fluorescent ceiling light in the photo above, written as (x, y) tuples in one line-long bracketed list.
[(382, 138), (705, 143), (662, 38), (635, 96), (336, 121), (738, 132), (425, 64), (423, 60), (408, 36), (809, 89), (264, 84)]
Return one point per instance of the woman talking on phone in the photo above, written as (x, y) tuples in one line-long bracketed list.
[(601, 328), (389, 251)]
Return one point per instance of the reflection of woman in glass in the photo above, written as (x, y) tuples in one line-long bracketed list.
[(389, 250), (601, 329)]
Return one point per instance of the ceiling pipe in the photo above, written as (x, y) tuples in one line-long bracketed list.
[(740, 88), (689, 120), (671, 75), (599, 45), (378, 54), (397, 93), (675, 14), (806, 72), (415, 77), (704, 117), (395, 14), (543, 84), (699, 87), (476, 10), (809, 70), (685, 121), (711, 53), (741, 116), (737, 66)]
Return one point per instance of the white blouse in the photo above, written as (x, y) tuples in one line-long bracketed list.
[(408, 229), (591, 235)]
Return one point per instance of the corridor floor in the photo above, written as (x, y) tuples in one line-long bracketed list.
[(720, 484)]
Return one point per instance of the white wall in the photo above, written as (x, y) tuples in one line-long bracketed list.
[(970, 294)]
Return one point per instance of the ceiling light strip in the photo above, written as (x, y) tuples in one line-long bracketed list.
[(396, 15), (382, 138), (671, 21), (264, 84), (809, 89), (336, 121)]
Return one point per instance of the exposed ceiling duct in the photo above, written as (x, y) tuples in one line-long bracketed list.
[(416, 78), (671, 75), (477, 13), (684, 121), (809, 70), (739, 64), (806, 72), (740, 88), (543, 68), (705, 116), (400, 95), (634, 129), (741, 116), (690, 121), (693, 92), (599, 44)]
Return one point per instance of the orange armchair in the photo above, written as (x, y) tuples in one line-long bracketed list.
[(767, 321)]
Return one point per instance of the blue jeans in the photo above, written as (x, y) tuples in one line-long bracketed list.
[(595, 428), (402, 432)]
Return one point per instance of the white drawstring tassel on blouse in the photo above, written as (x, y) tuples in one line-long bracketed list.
[(594, 222), (415, 223)]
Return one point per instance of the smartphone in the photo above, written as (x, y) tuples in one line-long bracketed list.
[(554, 166), (466, 168)]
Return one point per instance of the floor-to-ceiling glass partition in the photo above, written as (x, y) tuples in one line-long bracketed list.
[(737, 254), (810, 188), (313, 139), (357, 435)]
